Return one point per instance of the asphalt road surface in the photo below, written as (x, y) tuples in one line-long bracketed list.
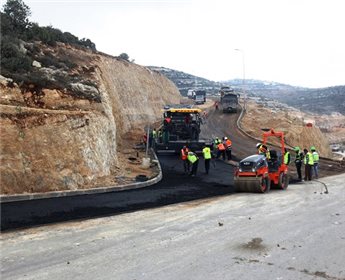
[(175, 187), (220, 125), (294, 234)]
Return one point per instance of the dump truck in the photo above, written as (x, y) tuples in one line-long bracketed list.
[(228, 100), (200, 96), (257, 173), (181, 126)]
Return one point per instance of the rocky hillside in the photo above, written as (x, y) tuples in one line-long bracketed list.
[(319, 101), (74, 127), (185, 81), (290, 121), (327, 101), (325, 107)]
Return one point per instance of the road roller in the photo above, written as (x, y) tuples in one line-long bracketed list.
[(260, 173)]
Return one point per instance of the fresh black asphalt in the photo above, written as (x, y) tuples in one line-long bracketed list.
[(175, 187)]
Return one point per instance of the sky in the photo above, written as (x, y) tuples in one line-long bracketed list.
[(296, 42)]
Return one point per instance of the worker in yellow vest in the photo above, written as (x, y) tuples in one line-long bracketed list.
[(263, 150), (206, 151), (287, 157), (298, 162), (194, 160), (316, 162), (308, 163)]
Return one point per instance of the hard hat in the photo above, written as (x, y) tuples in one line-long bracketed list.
[(225, 138), (296, 149), (184, 147), (258, 145), (312, 148), (190, 153)]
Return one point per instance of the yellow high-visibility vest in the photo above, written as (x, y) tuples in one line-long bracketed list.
[(192, 158), (308, 159), (206, 152)]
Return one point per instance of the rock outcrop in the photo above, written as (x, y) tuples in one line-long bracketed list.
[(296, 132), (55, 139)]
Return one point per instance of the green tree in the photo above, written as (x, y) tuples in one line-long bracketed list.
[(87, 43), (18, 13), (124, 56)]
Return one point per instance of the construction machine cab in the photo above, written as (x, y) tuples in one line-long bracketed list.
[(184, 123), (181, 126), (275, 160), (252, 163)]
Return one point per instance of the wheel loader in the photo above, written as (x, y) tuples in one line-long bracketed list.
[(257, 173)]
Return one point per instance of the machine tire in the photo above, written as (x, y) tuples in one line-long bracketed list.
[(264, 186), (283, 182)]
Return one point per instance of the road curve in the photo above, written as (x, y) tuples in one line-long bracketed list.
[(220, 125), (175, 187)]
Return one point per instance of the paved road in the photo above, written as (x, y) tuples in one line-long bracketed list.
[(175, 187), (220, 125), (294, 234)]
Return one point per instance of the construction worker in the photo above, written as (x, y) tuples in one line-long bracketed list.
[(154, 134), (160, 136), (154, 138), (298, 162), (167, 120), (286, 157), (228, 147), (215, 143), (216, 104), (165, 135), (194, 160), (308, 163), (184, 158), (221, 150), (263, 150), (316, 162), (206, 151)]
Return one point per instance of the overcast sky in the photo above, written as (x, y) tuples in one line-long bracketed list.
[(298, 42)]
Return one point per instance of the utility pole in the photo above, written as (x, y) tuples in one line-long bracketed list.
[(244, 78)]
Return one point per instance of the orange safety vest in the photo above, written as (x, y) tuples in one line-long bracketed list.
[(221, 147), (228, 143), (184, 154)]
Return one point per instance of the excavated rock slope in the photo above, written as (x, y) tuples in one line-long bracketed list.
[(292, 123), (54, 140)]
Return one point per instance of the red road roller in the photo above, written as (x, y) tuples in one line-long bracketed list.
[(257, 173)]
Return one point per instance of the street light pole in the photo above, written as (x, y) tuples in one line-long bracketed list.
[(244, 78)]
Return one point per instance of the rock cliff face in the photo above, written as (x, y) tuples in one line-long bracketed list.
[(54, 140), (295, 130)]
